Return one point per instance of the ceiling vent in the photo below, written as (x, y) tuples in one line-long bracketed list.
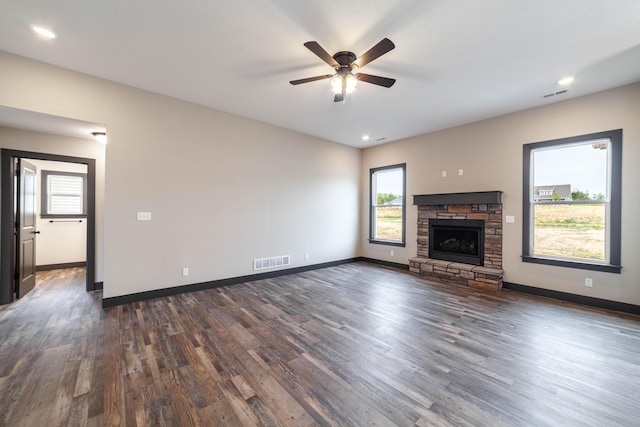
[(560, 92)]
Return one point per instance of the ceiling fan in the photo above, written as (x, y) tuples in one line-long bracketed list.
[(345, 63)]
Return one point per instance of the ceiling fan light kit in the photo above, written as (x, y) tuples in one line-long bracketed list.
[(349, 80), (344, 80)]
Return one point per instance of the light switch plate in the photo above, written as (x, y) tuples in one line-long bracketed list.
[(510, 219), (144, 216)]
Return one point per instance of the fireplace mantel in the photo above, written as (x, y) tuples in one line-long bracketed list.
[(479, 197)]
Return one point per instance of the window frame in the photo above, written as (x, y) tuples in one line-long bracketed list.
[(44, 190), (615, 204), (372, 239)]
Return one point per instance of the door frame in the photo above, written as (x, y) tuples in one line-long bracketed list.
[(7, 210)]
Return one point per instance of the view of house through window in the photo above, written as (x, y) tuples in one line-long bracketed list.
[(388, 205), (570, 195)]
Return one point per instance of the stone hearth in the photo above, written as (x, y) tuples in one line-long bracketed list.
[(486, 206)]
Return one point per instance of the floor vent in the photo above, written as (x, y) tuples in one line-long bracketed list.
[(276, 261)]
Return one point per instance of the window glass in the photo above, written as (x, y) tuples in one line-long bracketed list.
[(570, 197), (388, 205), (64, 194)]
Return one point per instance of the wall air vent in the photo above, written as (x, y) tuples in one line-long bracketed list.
[(276, 261)]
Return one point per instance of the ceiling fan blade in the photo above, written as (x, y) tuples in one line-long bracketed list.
[(376, 80), (321, 53), (311, 79), (384, 46)]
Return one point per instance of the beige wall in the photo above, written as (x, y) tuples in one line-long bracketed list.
[(490, 153), (17, 139), (222, 189)]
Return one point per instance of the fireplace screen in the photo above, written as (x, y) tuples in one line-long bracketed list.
[(457, 240)]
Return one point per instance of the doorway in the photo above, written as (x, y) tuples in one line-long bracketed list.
[(9, 208)]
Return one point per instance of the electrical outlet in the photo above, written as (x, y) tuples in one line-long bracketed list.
[(185, 271), (306, 256), (393, 253), (444, 174), (460, 172), (588, 282)]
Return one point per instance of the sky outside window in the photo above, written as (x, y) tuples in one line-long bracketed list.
[(583, 166)]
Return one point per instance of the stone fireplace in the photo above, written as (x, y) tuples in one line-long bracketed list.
[(460, 239)]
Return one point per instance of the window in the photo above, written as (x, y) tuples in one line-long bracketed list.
[(572, 202), (63, 195), (387, 201)]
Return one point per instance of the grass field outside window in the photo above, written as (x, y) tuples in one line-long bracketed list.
[(389, 223), (570, 231)]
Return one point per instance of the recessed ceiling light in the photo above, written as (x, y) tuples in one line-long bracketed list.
[(365, 137), (41, 31), (565, 81)]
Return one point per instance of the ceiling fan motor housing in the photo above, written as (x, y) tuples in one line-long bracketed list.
[(344, 58)]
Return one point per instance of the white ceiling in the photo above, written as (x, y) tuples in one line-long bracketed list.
[(39, 122), (455, 61)]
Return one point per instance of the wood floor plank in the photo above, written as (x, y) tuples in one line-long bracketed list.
[(220, 414), (350, 345), (114, 392), (78, 412)]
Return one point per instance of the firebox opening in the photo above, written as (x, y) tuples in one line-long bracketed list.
[(457, 240)]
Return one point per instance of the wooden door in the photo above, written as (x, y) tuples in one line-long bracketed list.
[(26, 228)]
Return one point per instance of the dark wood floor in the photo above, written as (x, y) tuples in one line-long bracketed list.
[(344, 346), (52, 345)]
